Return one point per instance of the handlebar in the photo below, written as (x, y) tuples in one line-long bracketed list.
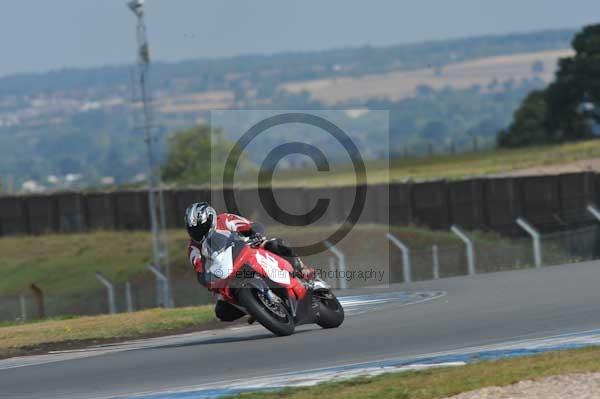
[(256, 240)]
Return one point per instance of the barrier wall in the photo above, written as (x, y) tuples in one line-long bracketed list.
[(492, 203)]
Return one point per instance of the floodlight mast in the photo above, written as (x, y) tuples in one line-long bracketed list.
[(155, 194)]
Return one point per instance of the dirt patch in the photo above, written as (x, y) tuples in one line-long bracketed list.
[(573, 386), (585, 165)]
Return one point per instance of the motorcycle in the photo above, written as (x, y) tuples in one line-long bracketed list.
[(265, 286)]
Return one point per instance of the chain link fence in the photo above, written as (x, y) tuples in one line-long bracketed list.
[(145, 294), (559, 247), (444, 260)]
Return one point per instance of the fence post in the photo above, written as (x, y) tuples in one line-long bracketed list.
[(343, 283), (163, 296), (436, 262), (128, 298), (110, 291), (332, 269), (594, 211), (535, 236), (470, 250), (23, 304), (39, 298), (406, 266)]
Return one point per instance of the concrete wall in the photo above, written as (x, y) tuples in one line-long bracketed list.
[(474, 204)]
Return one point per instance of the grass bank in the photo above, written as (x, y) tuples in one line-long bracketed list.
[(36, 337), (65, 263), (445, 166), (445, 382)]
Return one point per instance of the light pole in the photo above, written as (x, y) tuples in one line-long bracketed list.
[(155, 195)]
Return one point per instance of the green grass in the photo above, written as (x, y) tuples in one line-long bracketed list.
[(445, 166), (66, 263), (22, 338), (445, 382)]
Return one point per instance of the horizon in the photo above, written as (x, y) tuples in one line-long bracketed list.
[(71, 40), (304, 51)]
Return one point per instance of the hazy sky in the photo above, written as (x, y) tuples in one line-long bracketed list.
[(46, 34)]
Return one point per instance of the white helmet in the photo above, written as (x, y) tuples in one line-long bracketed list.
[(200, 219)]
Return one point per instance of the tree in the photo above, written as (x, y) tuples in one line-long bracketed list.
[(528, 126), (537, 67), (577, 82), (555, 114), (192, 156), (434, 130), (189, 155)]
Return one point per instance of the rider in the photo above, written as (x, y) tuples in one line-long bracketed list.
[(204, 225)]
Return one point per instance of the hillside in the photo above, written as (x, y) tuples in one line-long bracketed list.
[(563, 158), (74, 128), (399, 85)]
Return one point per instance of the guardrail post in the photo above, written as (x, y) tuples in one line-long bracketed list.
[(128, 298), (23, 304), (110, 291), (535, 236), (436, 262), (594, 211), (342, 282), (163, 295), (406, 267), (470, 250), (39, 298), (332, 270)]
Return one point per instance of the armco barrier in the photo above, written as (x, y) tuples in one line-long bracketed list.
[(539, 197), (502, 204), (575, 190), (487, 203), (466, 203), (13, 216), (101, 211), (430, 204)]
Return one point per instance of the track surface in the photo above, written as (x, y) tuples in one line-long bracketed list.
[(477, 310)]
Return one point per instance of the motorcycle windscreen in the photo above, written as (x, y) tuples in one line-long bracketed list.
[(218, 252)]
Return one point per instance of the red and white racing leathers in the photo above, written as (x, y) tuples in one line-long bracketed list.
[(226, 223)]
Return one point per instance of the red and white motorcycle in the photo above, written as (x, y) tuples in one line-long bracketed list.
[(264, 285)]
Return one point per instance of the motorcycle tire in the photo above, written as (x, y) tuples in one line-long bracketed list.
[(331, 312), (281, 327)]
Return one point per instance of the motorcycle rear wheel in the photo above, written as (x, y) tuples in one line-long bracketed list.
[(272, 320)]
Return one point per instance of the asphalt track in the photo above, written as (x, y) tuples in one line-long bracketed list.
[(478, 310)]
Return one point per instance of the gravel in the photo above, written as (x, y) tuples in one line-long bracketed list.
[(573, 386)]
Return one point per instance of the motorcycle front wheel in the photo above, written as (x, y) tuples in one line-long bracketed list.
[(331, 312), (273, 316)]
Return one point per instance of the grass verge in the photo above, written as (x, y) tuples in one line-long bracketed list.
[(445, 382), (444, 166), (63, 264), (40, 336)]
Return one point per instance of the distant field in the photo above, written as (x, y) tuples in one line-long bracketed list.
[(198, 102), (402, 84), (393, 85), (533, 160)]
